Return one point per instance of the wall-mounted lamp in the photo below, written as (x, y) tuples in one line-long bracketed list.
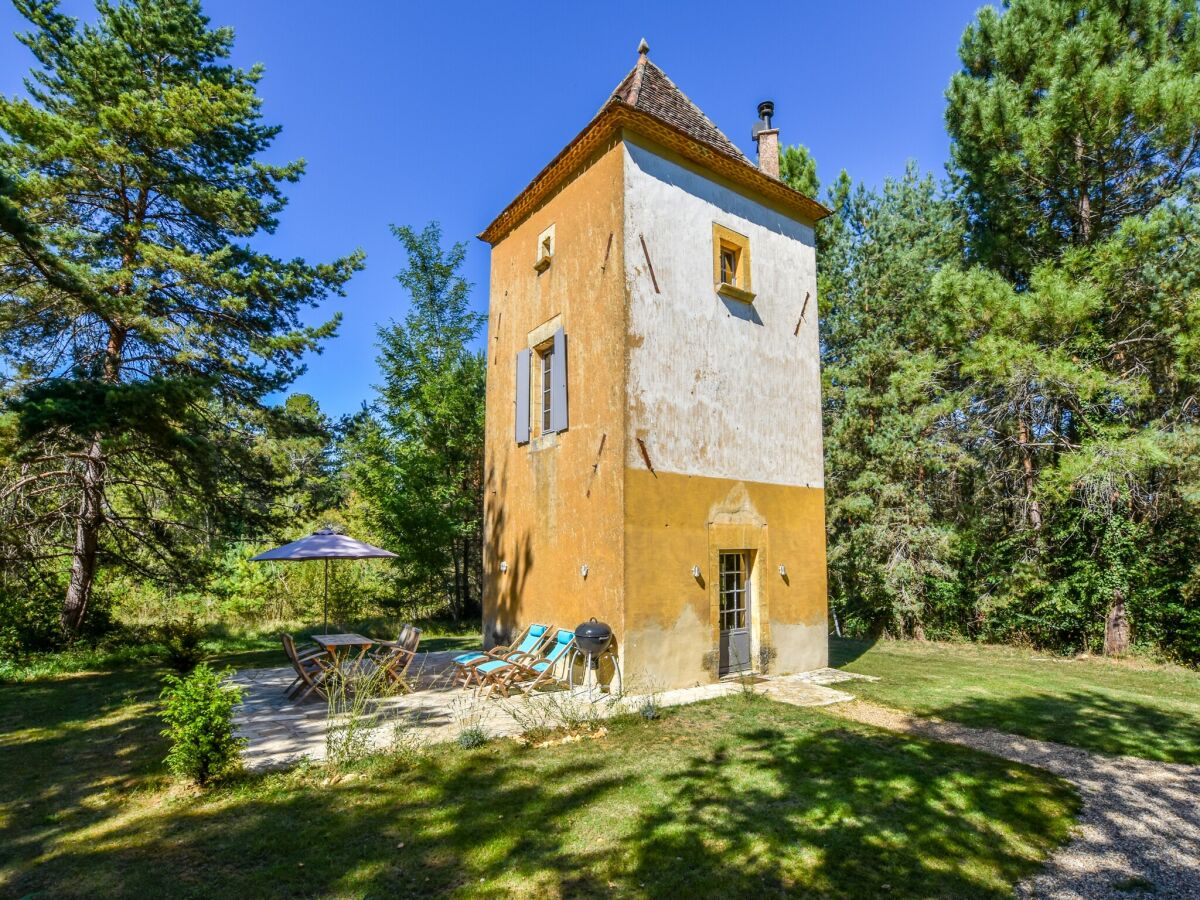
[(783, 570), (583, 570), (504, 566), (695, 571)]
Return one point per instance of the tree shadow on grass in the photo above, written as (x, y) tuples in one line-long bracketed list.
[(1092, 720), (346, 838), (843, 651), (64, 743), (707, 801), (1143, 817), (845, 811)]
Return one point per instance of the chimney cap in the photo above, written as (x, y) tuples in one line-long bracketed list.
[(766, 110)]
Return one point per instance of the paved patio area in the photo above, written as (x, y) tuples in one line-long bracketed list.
[(281, 732)]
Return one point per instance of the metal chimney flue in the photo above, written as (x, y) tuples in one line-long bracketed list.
[(766, 136), (766, 109)]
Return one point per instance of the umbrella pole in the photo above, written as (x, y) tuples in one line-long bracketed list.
[(325, 627)]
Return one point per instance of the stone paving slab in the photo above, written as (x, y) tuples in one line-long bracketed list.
[(799, 692), (831, 676)]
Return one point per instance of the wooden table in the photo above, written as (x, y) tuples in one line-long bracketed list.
[(340, 646)]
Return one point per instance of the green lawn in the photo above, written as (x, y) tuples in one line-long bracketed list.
[(737, 797), (1111, 707), (240, 647)]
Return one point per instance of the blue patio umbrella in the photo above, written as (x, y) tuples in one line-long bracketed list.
[(325, 544)]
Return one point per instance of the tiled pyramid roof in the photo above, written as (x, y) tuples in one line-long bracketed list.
[(648, 102), (648, 88)]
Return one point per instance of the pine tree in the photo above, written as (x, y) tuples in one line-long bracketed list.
[(144, 351), (1068, 117), (893, 460), (798, 170), (1076, 130)]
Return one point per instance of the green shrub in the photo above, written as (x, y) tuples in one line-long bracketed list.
[(198, 710), (182, 640), (470, 738), (29, 611)]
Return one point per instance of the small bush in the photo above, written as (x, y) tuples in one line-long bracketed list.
[(182, 640), (471, 738), (553, 714), (469, 713), (28, 621), (198, 710), (408, 745), (352, 716)]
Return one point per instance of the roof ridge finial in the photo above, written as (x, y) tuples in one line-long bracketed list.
[(643, 48)]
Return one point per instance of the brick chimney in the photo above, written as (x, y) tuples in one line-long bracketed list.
[(767, 139)]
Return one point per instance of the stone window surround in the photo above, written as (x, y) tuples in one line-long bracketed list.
[(537, 340), (725, 239)]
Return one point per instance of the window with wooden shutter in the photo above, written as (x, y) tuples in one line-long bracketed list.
[(522, 404), (558, 383)]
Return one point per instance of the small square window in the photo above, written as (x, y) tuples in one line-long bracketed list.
[(731, 263), (545, 250)]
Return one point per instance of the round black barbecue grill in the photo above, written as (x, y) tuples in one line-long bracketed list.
[(593, 638), (594, 642)]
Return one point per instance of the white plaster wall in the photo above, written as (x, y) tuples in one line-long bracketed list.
[(717, 387)]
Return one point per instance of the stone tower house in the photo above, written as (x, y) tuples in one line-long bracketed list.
[(653, 450)]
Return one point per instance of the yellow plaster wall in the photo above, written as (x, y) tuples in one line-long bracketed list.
[(674, 522), (556, 504)]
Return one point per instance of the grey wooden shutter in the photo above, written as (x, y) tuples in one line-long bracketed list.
[(558, 383), (522, 426)]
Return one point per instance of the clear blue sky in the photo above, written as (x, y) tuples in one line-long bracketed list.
[(408, 112)]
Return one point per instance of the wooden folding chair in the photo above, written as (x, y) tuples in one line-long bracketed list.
[(312, 667), (394, 657)]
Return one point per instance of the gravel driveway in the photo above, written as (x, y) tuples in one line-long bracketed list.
[(1139, 829)]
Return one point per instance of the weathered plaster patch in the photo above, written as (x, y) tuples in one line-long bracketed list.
[(660, 657), (735, 508), (799, 647), (714, 393)]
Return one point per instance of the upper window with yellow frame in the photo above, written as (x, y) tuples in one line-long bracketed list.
[(731, 264)]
